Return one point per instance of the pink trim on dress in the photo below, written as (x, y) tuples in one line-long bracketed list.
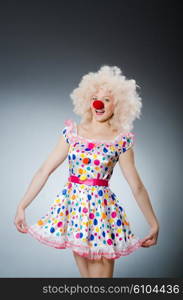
[(89, 255), (73, 135)]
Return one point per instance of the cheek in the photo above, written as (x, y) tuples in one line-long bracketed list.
[(111, 107)]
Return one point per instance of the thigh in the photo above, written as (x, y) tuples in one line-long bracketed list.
[(101, 268), (82, 263)]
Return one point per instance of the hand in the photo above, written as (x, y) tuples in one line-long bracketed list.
[(20, 222), (151, 239)]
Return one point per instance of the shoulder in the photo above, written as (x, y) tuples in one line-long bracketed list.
[(126, 141), (68, 130)]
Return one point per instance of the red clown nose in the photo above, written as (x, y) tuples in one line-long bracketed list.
[(98, 104)]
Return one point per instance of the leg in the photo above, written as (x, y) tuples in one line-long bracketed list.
[(101, 268), (82, 263)]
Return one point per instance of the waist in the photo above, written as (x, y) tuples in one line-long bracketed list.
[(89, 181)]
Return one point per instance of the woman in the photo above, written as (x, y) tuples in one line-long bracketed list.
[(86, 215)]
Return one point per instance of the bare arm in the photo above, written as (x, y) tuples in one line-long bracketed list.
[(130, 173), (55, 158)]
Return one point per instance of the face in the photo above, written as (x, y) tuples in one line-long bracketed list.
[(102, 105)]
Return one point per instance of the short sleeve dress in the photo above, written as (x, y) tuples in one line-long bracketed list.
[(86, 215)]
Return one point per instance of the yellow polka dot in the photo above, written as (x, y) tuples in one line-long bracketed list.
[(111, 148), (40, 222), (97, 229), (126, 223), (57, 200), (119, 230), (83, 177), (103, 215), (80, 171)]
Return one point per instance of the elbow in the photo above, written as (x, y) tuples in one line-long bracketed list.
[(44, 172), (138, 189)]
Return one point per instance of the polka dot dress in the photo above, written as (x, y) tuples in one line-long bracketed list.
[(89, 219)]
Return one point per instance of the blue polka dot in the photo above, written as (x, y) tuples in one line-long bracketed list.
[(118, 222), (92, 237), (89, 197), (105, 149), (81, 234), (52, 229), (100, 192), (112, 236), (95, 222), (64, 191), (113, 196), (103, 233), (58, 210)]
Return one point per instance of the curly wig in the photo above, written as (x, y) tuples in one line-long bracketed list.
[(127, 101)]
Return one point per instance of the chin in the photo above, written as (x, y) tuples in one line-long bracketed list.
[(103, 118)]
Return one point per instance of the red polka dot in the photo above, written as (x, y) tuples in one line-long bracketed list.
[(113, 214), (59, 224), (91, 215), (85, 210), (96, 162), (78, 235), (109, 241)]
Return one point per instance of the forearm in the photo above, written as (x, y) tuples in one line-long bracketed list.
[(37, 183), (143, 201)]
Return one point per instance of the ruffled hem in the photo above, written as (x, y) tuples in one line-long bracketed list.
[(86, 251)]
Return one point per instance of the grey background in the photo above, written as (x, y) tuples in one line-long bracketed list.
[(46, 47)]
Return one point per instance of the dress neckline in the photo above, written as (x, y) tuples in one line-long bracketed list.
[(94, 140)]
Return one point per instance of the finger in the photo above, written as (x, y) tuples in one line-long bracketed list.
[(25, 225), (20, 228), (148, 243), (24, 228)]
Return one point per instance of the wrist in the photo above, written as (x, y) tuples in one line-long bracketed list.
[(21, 207), (155, 225)]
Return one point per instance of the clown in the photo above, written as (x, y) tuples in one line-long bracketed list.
[(86, 215)]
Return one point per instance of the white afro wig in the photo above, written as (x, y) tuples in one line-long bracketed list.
[(127, 102)]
